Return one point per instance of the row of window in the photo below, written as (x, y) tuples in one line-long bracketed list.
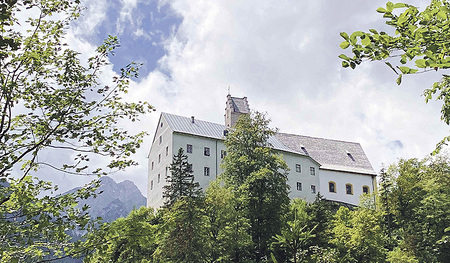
[(298, 169), (300, 188), (206, 151), (348, 188)]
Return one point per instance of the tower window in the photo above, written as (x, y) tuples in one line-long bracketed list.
[(167, 150), (159, 178), (160, 139), (332, 187), (206, 171), (312, 170), (189, 148), (151, 185), (299, 186), (298, 168), (206, 151), (349, 189), (159, 158), (153, 165)]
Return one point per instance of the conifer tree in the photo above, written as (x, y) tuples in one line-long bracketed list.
[(180, 180)]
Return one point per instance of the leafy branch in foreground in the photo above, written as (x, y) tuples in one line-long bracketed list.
[(421, 43), (55, 112)]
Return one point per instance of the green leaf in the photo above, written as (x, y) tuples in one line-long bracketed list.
[(344, 45), (345, 36), (399, 5), (442, 15), (421, 63), (390, 65), (399, 79), (389, 7), (381, 10), (345, 64), (365, 41), (344, 57)]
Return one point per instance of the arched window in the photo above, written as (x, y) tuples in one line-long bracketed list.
[(332, 187), (366, 189), (349, 189)]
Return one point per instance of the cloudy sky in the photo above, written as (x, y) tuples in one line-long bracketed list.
[(281, 54)]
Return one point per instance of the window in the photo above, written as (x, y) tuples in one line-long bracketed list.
[(159, 178), (159, 158), (350, 156), (206, 152), (160, 139), (223, 153), (299, 186), (151, 185), (167, 150), (167, 171), (304, 150), (332, 187), (206, 171), (365, 189), (298, 168), (189, 148), (161, 124), (312, 170), (313, 189), (153, 165), (349, 189), (191, 168)]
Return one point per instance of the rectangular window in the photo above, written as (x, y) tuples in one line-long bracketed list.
[(191, 168), (312, 170), (206, 152), (313, 189), (298, 168), (349, 189), (159, 158), (151, 185), (167, 150), (299, 186), (153, 165), (167, 170), (206, 171), (189, 148), (365, 189), (159, 178), (223, 153), (160, 139)]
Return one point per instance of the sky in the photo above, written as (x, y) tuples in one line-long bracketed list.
[(282, 55)]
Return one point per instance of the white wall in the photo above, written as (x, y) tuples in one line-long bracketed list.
[(304, 177), (341, 179)]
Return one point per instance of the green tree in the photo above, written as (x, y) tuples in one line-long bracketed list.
[(226, 226), (180, 180), (358, 235), (420, 44), (258, 176), (130, 239), (52, 103)]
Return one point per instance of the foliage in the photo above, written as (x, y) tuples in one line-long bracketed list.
[(130, 239), (228, 235), (418, 203), (180, 180), (358, 235), (258, 176), (420, 44), (54, 104), (30, 223), (183, 234)]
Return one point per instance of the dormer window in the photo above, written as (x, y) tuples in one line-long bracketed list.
[(350, 156), (304, 150)]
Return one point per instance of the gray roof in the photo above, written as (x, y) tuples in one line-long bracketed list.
[(212, 130), (240, 105), (331, 154)]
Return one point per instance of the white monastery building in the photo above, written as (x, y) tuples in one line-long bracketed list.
[(339, 170)]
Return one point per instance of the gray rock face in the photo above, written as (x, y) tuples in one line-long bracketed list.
[(115, 199)]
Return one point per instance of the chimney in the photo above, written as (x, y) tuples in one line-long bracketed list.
[(192, 119)]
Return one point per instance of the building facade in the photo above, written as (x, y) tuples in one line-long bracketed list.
[(339, 170)]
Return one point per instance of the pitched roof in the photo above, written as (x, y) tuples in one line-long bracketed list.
[(240, 105), (331, 154), (212, 130)]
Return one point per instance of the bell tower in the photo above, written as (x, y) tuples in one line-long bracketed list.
[(234, 108)]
